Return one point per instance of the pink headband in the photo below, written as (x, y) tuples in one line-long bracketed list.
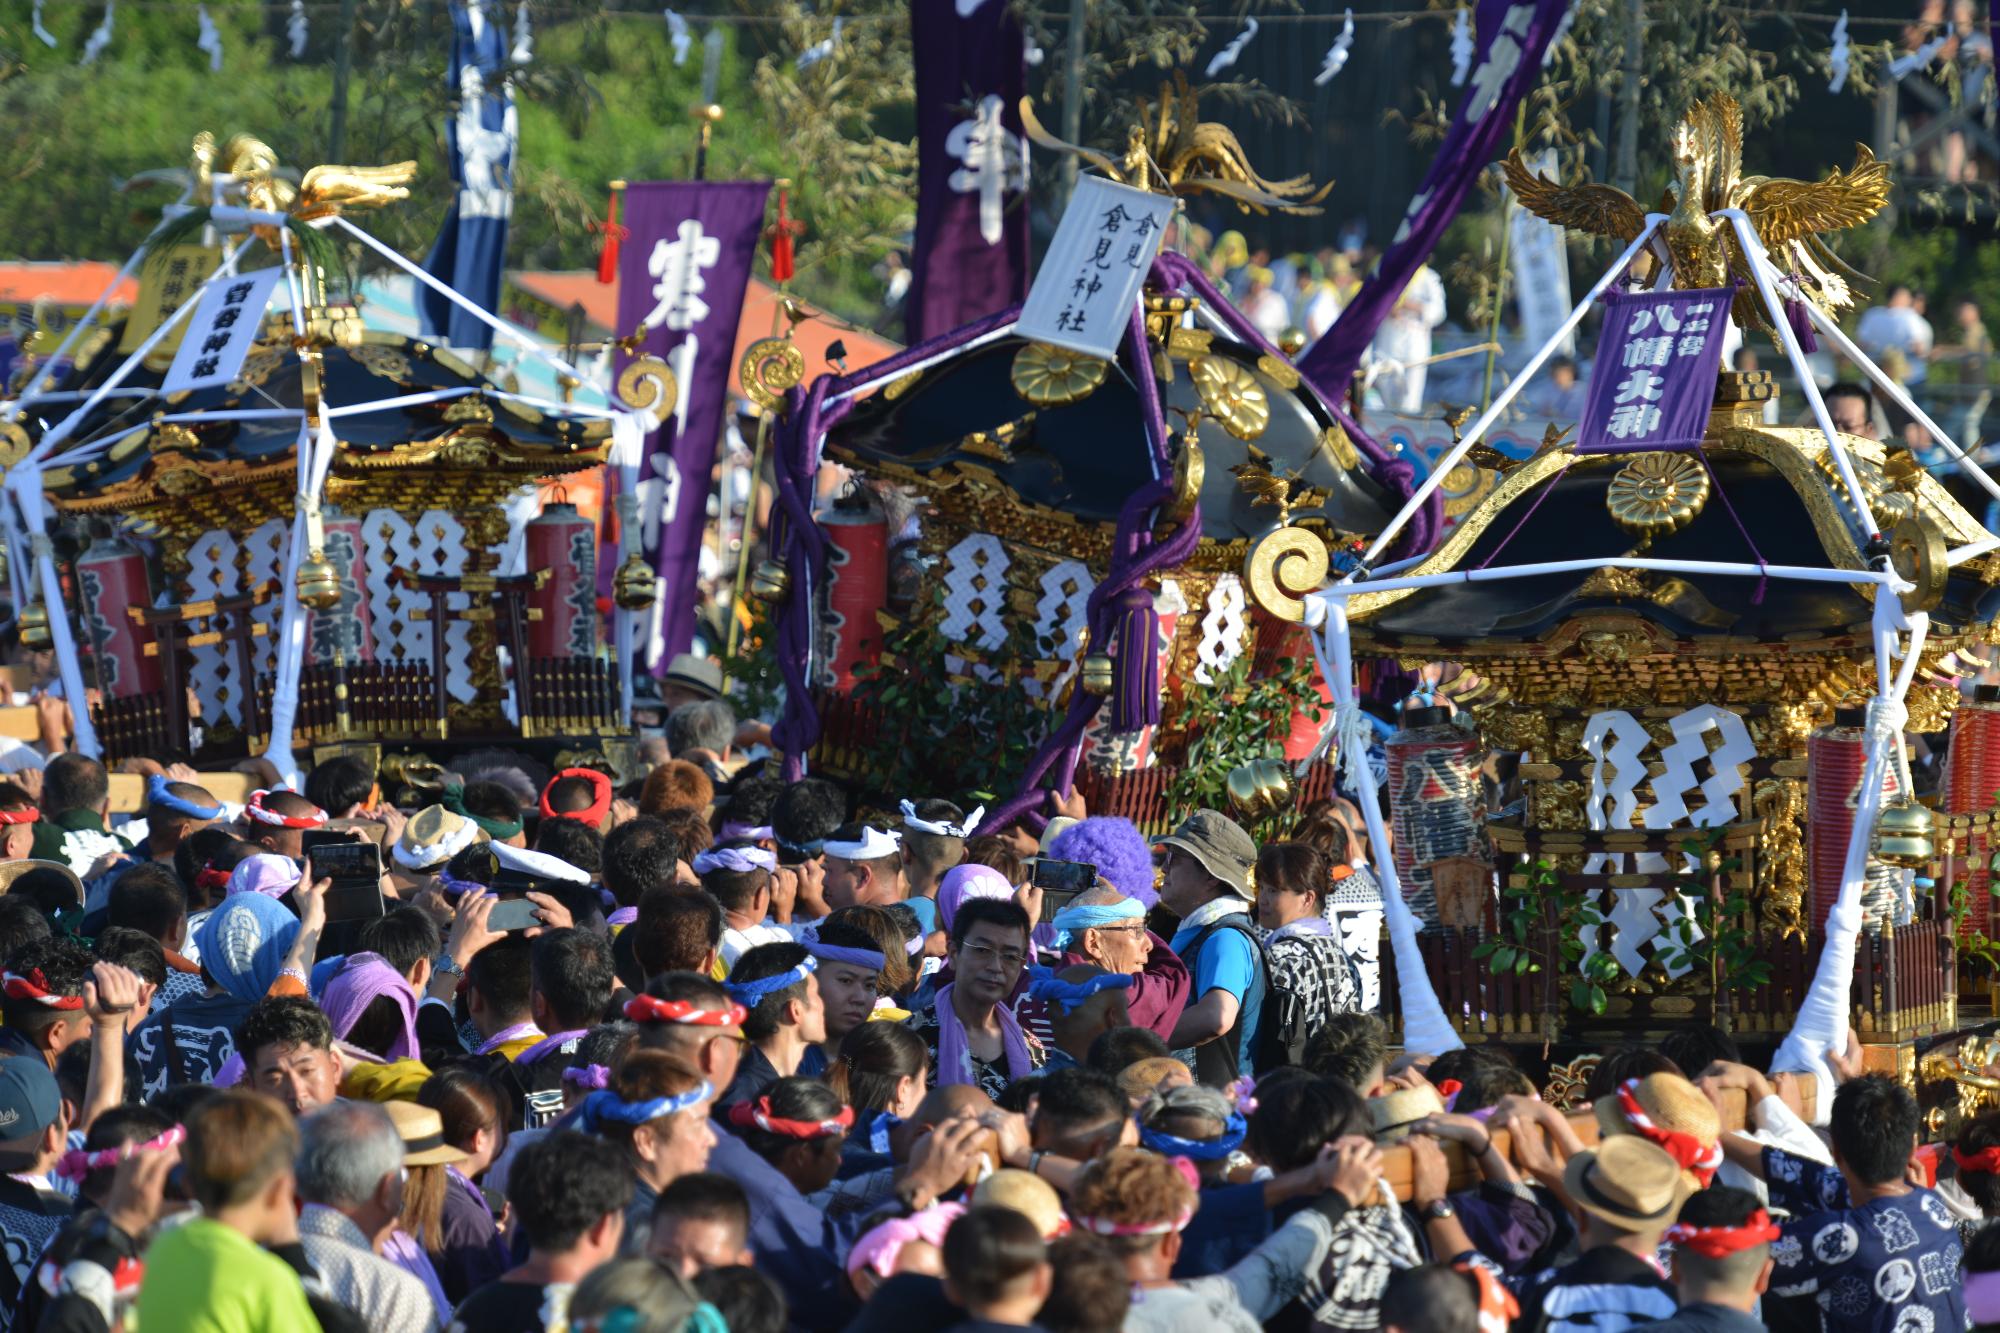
[(877, 1249), (77, 1162), (263, 814)]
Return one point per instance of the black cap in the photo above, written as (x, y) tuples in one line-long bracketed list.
[(1850, 717), (1986, 694)]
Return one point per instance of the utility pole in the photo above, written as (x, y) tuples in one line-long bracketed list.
[(1625, 170), (343, 61), (1072, 113)]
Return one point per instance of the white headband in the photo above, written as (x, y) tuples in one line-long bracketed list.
[(874, 844), (941, 829), (422, 856), (539, 864)]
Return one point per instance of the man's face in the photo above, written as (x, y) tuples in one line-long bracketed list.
[(812, 1021), (845, 882), (692, 1245), (1185, 883), (988, 962), (1123, 948), (848, 994), (19, 839), (304, 1078), (1849, 413)]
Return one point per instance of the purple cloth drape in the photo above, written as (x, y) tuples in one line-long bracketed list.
[(969, 255), (686, 264), (1507, 59)]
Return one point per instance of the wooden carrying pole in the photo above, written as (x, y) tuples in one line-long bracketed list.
[(1465, 1173)]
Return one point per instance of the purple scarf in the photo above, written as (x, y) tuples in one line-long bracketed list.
[(955, 1057), (547, 1044), (401, 1249), (360, 982)]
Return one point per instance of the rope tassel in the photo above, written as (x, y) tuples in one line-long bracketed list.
[(1135, 693)]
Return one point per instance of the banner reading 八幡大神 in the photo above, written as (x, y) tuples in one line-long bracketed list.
[(1654, 379), (686, 263), (969, 256), (1507, 59)]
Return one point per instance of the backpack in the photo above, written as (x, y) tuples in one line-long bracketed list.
[(1220, 1062)]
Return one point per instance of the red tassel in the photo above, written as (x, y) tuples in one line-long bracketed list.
[(781, 245), (607, 259)]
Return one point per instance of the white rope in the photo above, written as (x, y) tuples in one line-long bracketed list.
[(1760, 270), (63, 429), (1426, 1028), (1896, 392), (1507, 395), (533, 346)]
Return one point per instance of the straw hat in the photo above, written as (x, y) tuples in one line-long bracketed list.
[(1627, 1182), (1030, 1196), (1395, 1111), (422, 1131), (1139, 1079), (14, 870), (1671, 1103), (432, 836)]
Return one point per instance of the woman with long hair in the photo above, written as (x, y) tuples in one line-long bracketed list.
[(443, 1206), (881, 1073)]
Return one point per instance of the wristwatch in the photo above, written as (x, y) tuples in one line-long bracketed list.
[(447, 966), (1438, 1209)]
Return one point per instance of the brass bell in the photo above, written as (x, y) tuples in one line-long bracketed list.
[(1245, 796), (770, 581), (1292, 341), (318, 583), (1903, 836), (1096, 677), (634, 587), (1260, 787), (35, 634)]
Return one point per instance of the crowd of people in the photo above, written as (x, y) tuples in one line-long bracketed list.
[(705, 1050)]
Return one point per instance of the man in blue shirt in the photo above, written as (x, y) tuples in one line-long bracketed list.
[(1879, 1254), (1206, 882)]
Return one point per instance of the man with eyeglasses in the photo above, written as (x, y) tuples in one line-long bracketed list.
[(1101, 927), (972, 1035)]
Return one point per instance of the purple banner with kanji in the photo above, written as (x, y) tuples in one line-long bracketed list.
[(686, 263), (1512, 36), (970, 253), (1654, 379)]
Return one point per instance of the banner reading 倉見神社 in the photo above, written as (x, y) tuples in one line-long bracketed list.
[(686, 263)]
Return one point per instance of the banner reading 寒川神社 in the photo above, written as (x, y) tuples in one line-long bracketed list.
[(681, 280), (1654, 379), (969, 255)]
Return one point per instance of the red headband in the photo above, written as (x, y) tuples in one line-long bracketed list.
[(648, 1009), (28, 816), (1497, 1306), (1693, 1155), (600, 803), (1986, 1159), (211, 877), (745, 1114), (263, 814), (1721, 1242), (34, 986)]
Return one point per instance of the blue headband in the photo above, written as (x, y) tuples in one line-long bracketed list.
[(1201, 1150), (804, 851), (1078, 917), (157, 795), (739, 859), (603, 1106), (1070, 994), (836, 953), (750, 994)]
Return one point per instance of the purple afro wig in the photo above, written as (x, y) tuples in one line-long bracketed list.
[(1118, 850)]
